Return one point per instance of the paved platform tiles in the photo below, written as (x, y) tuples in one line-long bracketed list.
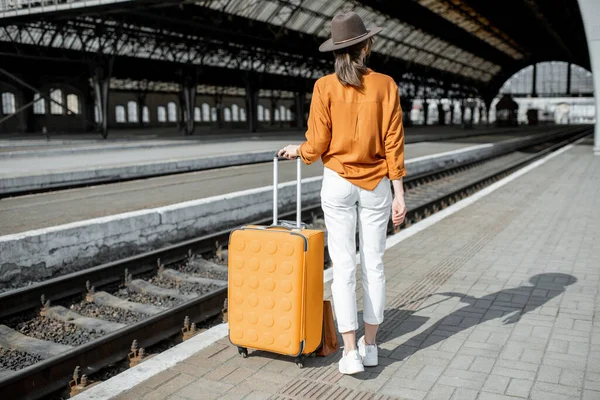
[(20, 214), (498, 301)]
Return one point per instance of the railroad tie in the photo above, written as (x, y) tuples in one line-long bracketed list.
[(207, 266), (108, 300), (11, 339), (141, 286), (177, 276), (63, 314)]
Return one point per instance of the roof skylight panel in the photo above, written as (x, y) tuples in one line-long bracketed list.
[(332, 7), (267, 12), (300, 21), (466, 18), (315, 24)]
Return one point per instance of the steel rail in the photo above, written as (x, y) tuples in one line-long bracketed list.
[(52, 374), (432, 206)]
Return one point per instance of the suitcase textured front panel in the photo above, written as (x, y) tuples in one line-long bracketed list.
[(267, 289), (266, 282)]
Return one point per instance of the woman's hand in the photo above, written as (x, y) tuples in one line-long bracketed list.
[(289, 151), (398, 210)]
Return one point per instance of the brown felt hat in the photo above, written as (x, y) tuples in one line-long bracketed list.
[(346, 30)]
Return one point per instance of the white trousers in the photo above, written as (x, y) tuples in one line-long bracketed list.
[(344, 204)]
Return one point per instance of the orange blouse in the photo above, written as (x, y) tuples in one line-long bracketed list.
[(358, 134)]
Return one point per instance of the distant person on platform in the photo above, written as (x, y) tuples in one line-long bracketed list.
[(355, 127)]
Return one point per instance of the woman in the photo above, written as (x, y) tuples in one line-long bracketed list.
[(355, 127)]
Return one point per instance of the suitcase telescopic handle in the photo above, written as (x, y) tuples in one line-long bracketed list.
[(298, 190)]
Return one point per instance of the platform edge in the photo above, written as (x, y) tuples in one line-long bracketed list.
[(126, 380)]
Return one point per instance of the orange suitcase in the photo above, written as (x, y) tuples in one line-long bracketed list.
[(275, 284)]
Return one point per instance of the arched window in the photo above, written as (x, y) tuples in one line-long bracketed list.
[(242, 114), (145, 114), (132, 112), (213, 114), (72, 103), (550, 80), (235, 112), (276, 115), (172, 111), (267, 114), (288, 114), (261, 112), (227, 114), (205, 112), (161, 113), (96, 113), (8, 103), (39, 107), (120, 114), (56, 95), (197, 114), (281, 113)]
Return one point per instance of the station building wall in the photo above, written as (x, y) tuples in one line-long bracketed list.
[(127, 110)]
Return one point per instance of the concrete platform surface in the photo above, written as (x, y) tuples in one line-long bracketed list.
[(59, 167), (20, 157), (128, 138), (497, 299), (19, 214), (22, 166)]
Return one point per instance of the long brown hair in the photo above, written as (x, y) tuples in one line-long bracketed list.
[(350, 66)]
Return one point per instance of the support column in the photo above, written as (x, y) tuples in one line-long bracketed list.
[(252, 105), (468, 105), (569, 79), (101, 80), (188, 95), (273, 108), (219, 110), (534, 80), (488, 109), (406, 104), (452, 111), (300, 98), (88, 106), (441, 114), (590, 12), (28, 117), (141, 101), (425, 112), (462, 112)]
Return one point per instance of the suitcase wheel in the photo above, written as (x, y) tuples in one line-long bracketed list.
[(300, 361), (243, 352)]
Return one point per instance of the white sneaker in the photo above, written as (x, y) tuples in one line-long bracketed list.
[(368, 353), (351, 363)]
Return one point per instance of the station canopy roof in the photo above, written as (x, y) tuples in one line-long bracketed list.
[(474, 43)]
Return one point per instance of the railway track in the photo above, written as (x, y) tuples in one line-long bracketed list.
[(124, 306)]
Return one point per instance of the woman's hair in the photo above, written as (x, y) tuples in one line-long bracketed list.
[(350, 63)]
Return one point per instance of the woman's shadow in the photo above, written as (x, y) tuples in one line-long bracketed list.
[(510, 304)]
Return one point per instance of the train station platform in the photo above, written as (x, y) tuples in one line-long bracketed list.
[(493, 298), (32, 165), (16, 145), (24, 213)]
